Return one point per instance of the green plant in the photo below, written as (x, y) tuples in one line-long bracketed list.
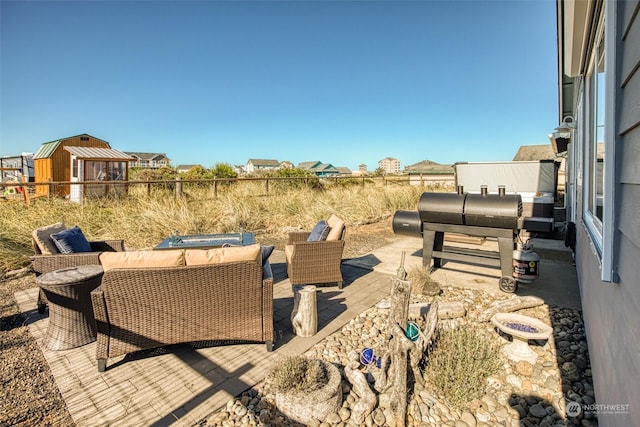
[(223, 170), (298, 373), (460, 361)]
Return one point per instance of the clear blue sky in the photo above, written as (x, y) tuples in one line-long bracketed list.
[(343, 82)]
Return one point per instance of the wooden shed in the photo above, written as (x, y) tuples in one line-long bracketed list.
[(52, 163)]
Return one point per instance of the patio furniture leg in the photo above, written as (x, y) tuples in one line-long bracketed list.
[(102, 365), (340, 285), (269, 346)]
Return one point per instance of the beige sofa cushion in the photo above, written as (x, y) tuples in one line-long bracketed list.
[(141, 259), (228, 254), (288, 252), (337, 226), (42, 238)]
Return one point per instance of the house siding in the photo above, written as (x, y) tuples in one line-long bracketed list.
[(611, 310)]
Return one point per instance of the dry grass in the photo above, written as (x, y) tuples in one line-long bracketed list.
[(298, 373), (143, 220)]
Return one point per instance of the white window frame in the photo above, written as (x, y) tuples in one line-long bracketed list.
[(602, 233)]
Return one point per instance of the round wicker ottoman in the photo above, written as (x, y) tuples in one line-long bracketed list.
[(71, 320)]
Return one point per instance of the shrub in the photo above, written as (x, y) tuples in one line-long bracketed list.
[(460, 361), (298, 373)]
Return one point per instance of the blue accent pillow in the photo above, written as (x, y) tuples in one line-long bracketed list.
[(319, 232), (71, 240), (266, 267), (266, 253)]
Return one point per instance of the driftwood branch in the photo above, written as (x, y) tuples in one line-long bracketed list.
[(424, 338), (509, 305), (399, 347), (367, 398)]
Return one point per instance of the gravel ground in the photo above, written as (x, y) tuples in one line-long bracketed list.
[(28, 393)]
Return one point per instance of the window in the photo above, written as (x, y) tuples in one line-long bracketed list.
[(594, 198), (74, 167), (598, 141)]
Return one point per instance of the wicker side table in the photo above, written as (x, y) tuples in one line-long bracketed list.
[(71, 320)]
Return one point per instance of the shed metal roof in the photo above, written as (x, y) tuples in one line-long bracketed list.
[(97, 153), (46, 150)]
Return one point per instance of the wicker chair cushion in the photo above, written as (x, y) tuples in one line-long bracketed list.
[(141, 259), (319, 232), (71, 241), (42, 238), (288, 252), (337, 228), (228, 254)]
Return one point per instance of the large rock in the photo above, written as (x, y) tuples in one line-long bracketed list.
[(304, 406)]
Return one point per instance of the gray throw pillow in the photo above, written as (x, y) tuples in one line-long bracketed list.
[(319, 232)]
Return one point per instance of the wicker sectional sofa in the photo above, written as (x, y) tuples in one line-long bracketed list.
[(152, 306)]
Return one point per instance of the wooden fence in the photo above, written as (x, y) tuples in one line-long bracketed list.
[(179, 186)]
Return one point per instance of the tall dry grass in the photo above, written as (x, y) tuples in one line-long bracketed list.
[(143, 220)]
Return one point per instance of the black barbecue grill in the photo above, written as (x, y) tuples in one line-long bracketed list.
[(486, 215)]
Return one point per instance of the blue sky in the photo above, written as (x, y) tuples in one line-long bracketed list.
[(343, 82)]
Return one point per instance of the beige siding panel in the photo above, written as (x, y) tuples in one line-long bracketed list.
[(630, 104), (629, 52), (628, 11), (629, 268), (628, 214), (608, 310), (628, 155)]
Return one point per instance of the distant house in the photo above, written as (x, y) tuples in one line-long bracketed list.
[(344, 171), (148, 160), (319, 169), (16, 168), (255, 165), (428, 172), (186, 168), (390, 165), (63, 161)]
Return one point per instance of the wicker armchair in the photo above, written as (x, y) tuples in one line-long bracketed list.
[(316, 262), (44, 261)]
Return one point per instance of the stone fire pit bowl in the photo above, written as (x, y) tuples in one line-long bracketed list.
[(522, 328)]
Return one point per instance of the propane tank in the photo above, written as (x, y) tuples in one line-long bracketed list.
[(525, 263)]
